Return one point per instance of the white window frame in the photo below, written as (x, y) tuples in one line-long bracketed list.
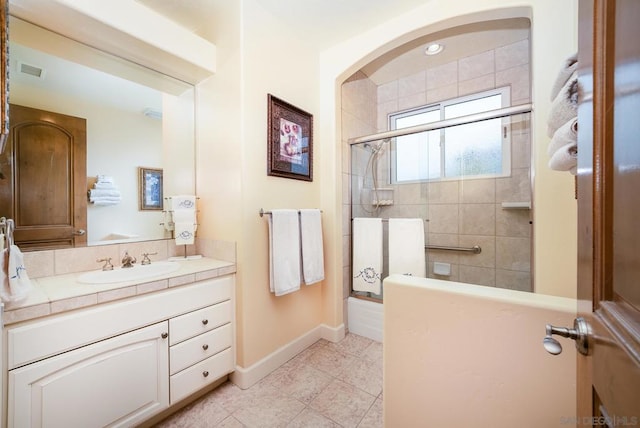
[(505, 93)]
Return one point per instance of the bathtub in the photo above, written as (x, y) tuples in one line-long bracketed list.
[(365, 318)]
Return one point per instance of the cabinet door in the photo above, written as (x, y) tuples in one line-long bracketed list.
[(115, 382)]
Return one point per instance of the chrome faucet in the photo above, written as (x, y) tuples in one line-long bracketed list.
[(127, 260), (107, 263), (145, 258)]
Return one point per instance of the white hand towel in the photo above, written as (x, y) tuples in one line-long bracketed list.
[(284, 252), (367, 254), (406, 247), (564, 106), (16, 285), (104, 178), (183, 209), (183, 202), (312, 252)]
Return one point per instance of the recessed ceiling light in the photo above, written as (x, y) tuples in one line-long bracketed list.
[(433, 49)]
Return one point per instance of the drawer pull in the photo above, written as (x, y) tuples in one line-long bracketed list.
[(164, 335), (205, 373), (205, 321), (205, 346)]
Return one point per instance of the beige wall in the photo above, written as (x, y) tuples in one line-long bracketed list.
[(553, 38), (474, 357), (257, 55)]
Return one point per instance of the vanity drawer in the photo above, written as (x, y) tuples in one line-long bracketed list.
[(200, 375), (198, 322), (200, 347)]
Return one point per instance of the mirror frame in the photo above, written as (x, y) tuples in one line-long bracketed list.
[(4, 73)]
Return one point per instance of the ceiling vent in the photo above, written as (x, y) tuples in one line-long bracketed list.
[(31, 70)]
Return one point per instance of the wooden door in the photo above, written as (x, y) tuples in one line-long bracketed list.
[(609, 211), (45, 186)]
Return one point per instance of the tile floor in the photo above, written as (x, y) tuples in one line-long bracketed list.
[(326, 385)]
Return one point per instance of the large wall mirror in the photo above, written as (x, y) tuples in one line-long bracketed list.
[(135, 118)]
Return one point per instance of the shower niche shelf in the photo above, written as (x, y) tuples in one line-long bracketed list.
[(381, 196)]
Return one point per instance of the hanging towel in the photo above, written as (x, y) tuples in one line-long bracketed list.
[(311, 242), (406, 247), (367, 254), (564, 106), (183, 209), (16, 284), (284, 252)]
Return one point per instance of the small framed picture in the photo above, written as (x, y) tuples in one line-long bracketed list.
[(290, 141), (150, 183)]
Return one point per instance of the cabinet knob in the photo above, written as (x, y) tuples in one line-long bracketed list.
[(205, 346), (205, 321), (205, 373), (164, 335)]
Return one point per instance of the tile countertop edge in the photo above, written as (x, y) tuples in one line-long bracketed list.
[(60, 293)]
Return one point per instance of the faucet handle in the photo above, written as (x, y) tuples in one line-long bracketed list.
[(107, 263), (145, 258)]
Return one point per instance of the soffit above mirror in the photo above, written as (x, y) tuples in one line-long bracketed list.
[(140, 35)]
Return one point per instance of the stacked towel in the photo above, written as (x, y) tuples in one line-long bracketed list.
[(563, 148), (367, 254), (104, 191), (311, 242), (406, 247), (562, 124), (183, 208), (284, 252)]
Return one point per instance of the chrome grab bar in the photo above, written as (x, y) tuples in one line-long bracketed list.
[(475, 249)]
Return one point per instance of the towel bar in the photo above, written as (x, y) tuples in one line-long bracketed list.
[(476, 249), (262, 212)]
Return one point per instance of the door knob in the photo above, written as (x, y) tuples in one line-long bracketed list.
[(79, 232), (579, 333)]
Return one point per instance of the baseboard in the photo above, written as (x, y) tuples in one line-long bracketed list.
[(246, 377)]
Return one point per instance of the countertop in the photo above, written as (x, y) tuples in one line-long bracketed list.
[(61, 293)]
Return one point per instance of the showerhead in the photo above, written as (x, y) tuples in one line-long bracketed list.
[(378, 147)]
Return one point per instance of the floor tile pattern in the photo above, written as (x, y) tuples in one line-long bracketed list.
[(326, 385)]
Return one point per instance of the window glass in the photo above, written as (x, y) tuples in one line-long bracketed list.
[(475, 149)]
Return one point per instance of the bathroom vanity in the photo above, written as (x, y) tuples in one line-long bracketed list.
[(143, 346)]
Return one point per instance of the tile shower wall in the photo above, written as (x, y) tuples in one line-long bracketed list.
[(463, 212)]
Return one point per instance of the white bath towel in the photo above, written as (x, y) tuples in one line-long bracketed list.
[(284, 252), (569, 66), (16, 284), (367, 254), (97, 193), (406, 247), (566, 134), (564, 106), (311, 242), (105, 200), (565, 159)]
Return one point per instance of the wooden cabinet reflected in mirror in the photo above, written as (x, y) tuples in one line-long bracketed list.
[(4, 74)]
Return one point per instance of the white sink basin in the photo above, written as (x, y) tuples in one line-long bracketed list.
[(128, 274)]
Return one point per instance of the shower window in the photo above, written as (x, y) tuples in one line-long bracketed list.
[(479, 149)]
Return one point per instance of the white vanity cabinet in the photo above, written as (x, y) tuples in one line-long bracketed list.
[(118, 364), (119, 381)]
